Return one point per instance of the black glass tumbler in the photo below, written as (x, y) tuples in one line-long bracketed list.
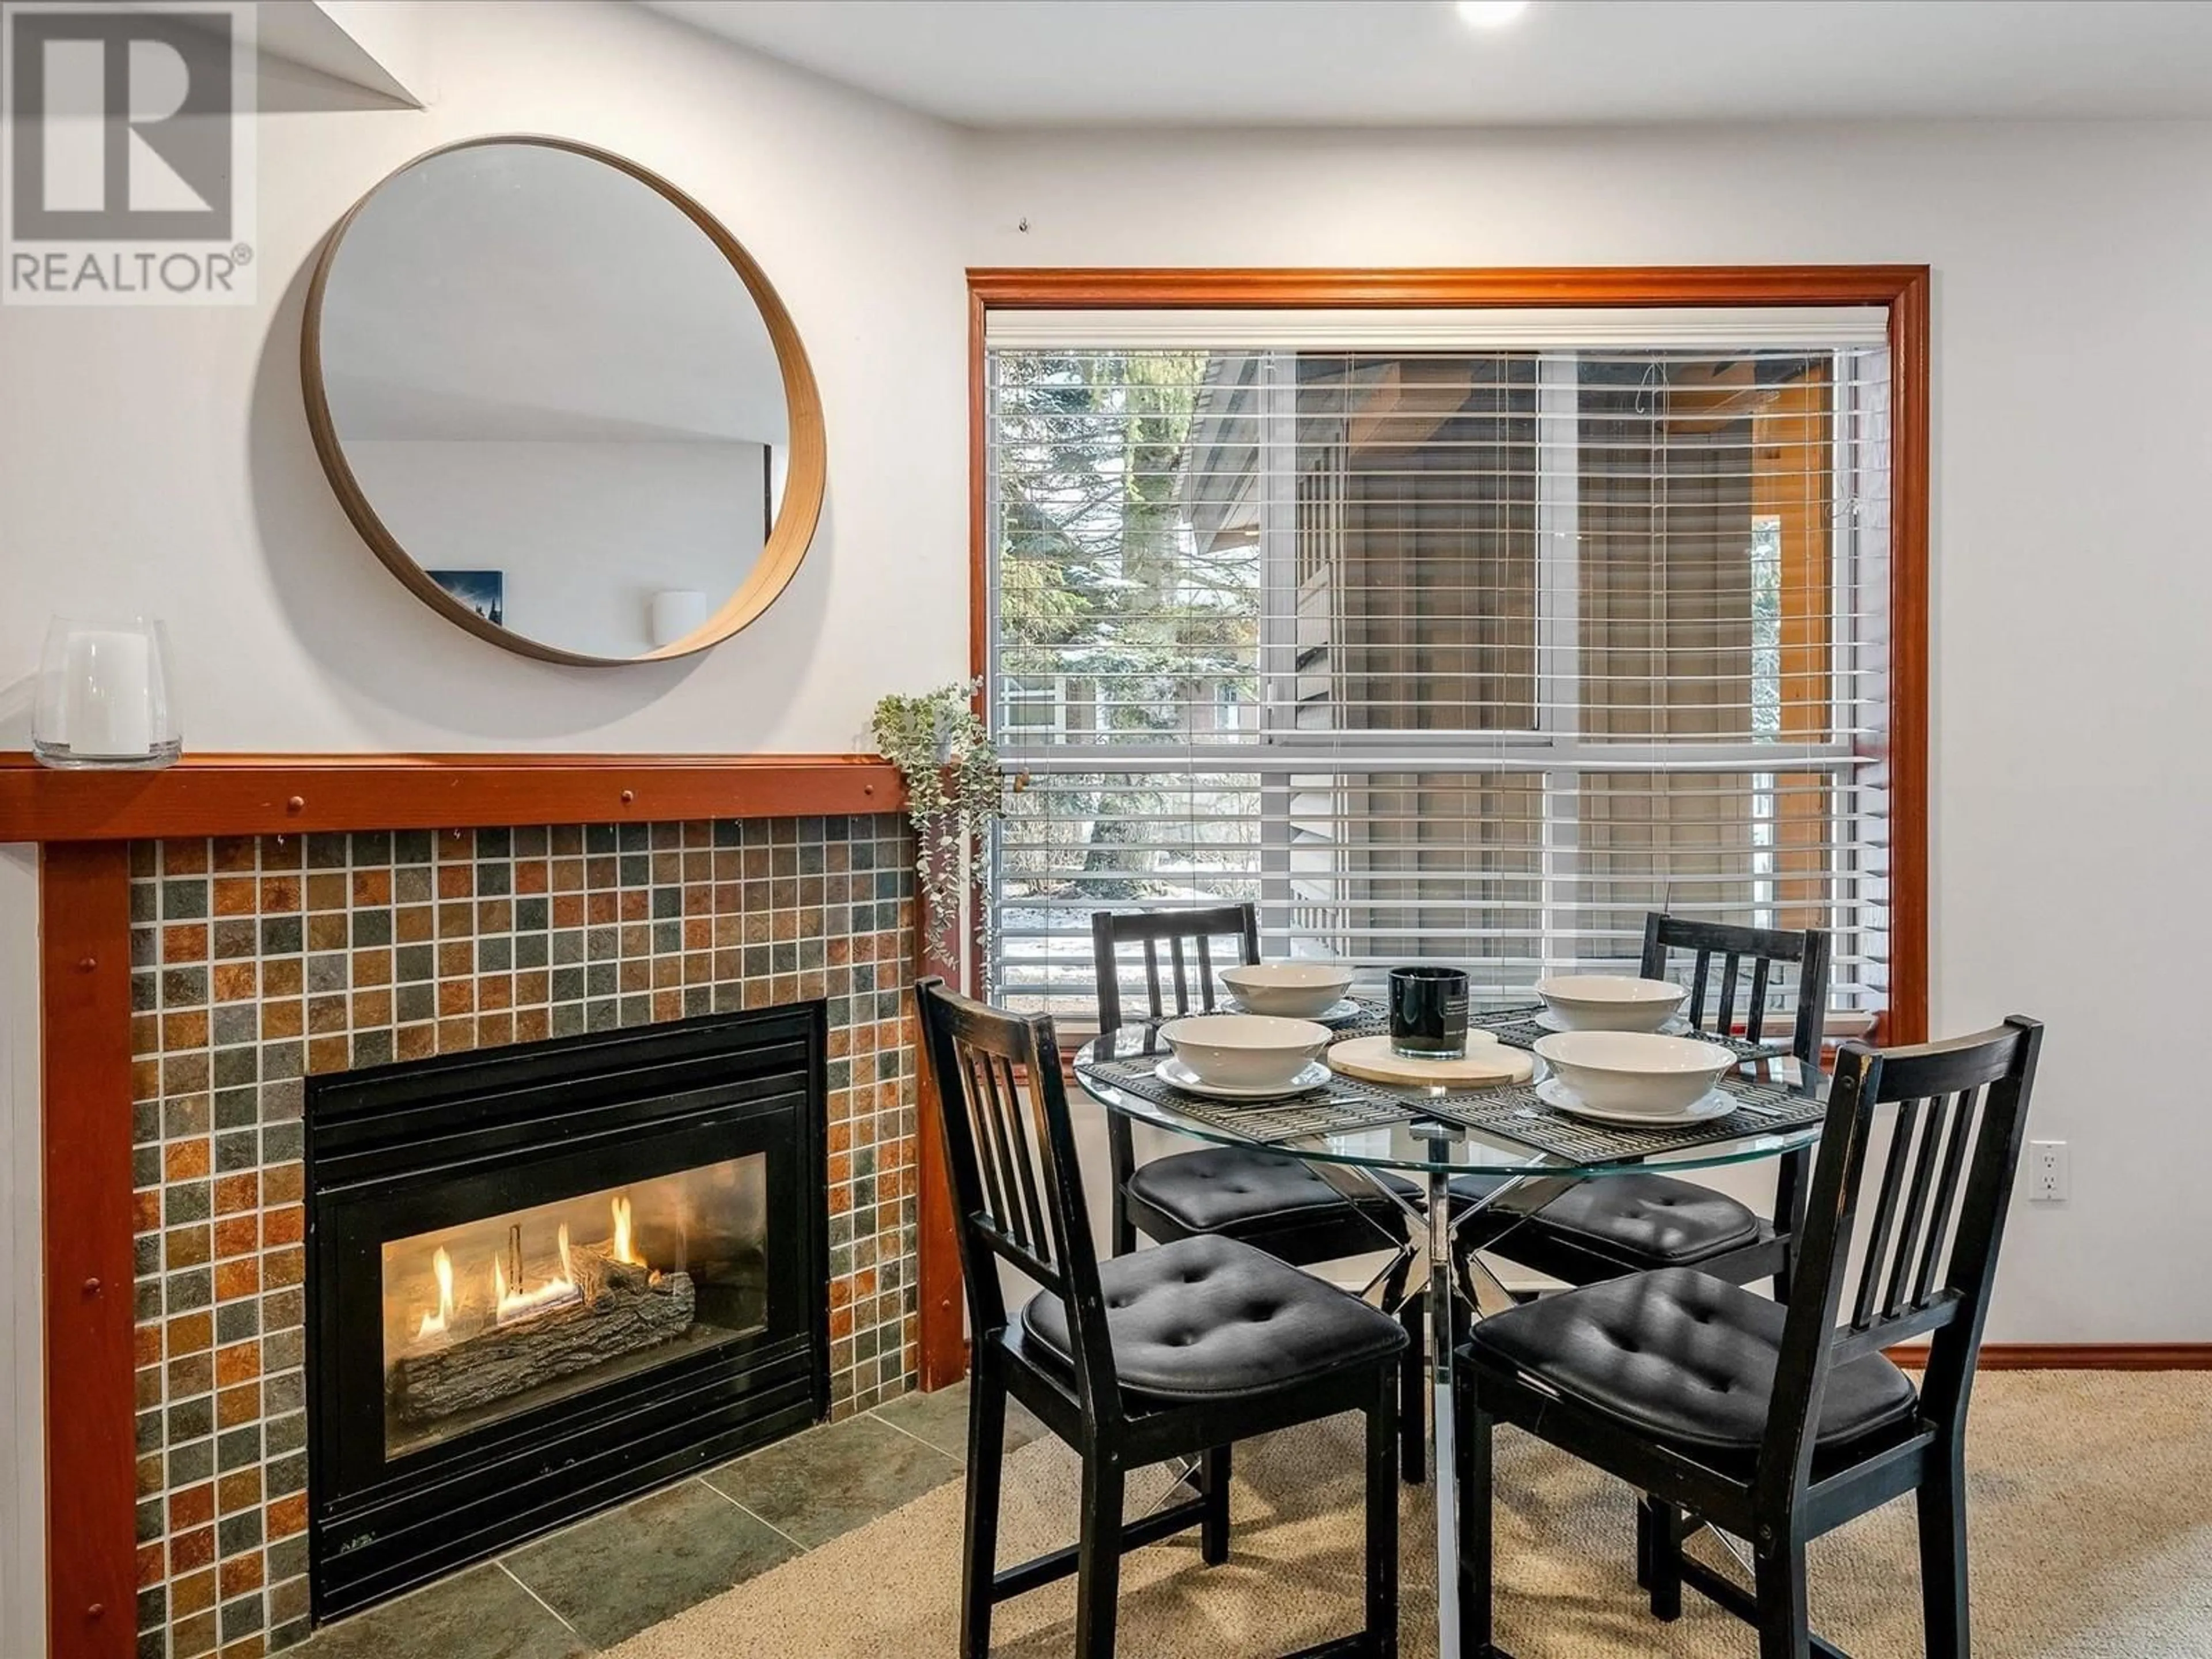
[(1428, 1012)]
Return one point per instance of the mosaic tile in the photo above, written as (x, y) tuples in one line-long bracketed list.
[(257, 961)]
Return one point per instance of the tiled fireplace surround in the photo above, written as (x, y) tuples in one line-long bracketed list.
[(256, 961)]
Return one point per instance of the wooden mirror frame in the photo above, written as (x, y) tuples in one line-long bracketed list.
[(788, 537)]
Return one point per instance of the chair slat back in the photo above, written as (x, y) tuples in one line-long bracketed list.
[(1188, 970), (1956, 1114), (1010, 1155), (1761, 949)]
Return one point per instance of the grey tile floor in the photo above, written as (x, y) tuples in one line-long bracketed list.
[(601, 1581)]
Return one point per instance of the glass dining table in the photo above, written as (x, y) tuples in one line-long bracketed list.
[(1417, 1146)]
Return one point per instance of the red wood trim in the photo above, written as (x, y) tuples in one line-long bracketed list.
[(941, 1302), (84, 964), (1902, 288), (1589, 285), (272, 794), (1910, 462), (2078, 1357), (978, 514)]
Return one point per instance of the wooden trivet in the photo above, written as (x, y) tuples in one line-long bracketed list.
[(1485, 1062)]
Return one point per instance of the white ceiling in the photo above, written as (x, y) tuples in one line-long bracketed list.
[(1563, 63)]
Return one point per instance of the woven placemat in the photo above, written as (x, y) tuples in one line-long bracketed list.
[(1516, 1114), (1510, 1112), (1343, 1105)]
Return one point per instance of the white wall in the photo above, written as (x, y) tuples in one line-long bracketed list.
[(584, 533), (158, 460), (2073, 688)]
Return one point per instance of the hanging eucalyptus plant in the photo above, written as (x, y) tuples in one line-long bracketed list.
[(955, 793)]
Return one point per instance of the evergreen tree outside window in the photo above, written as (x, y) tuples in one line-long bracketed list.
[(1468, 655)]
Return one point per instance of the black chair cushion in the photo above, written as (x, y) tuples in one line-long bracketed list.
[(1473, 1188), (1683, 1356), (1239, 1190), (1208, 1318), (1646, 1219)]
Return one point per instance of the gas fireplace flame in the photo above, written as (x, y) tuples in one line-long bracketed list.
[(622, 1248), (512, 1302), (434, 1324), (513, 1297)]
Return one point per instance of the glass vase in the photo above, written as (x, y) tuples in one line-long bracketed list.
[(104, 697)]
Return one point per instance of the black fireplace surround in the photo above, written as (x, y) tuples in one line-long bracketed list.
[(472, 1381)]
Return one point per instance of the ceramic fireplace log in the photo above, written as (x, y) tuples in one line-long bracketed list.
[(621, 1311), (598, 1273)]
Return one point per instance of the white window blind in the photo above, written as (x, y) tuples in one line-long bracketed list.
[(1472, 647)]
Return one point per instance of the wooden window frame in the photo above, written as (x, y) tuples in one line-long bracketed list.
[(1901, 290)]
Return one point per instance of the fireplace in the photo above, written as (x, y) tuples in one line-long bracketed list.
[(545, 1277)]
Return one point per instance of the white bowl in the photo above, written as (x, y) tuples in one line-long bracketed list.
[(1245, 1051), (1296, 990), (1635, 1072), (1610, 1002)]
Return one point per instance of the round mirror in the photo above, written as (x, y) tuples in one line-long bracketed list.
[(562, 403)]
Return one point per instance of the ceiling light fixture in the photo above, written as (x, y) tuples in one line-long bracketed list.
[(1491, 14)]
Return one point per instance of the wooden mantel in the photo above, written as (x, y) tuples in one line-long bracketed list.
[(275, 794)]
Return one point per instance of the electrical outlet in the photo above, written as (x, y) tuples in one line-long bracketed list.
[(2047, 1172)]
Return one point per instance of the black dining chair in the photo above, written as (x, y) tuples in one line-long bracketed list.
[(1627, 1224), (1172, 1353), (1270, 1199), (1624, 1223), (1771, 1421)]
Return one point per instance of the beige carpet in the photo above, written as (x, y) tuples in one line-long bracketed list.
[(2092, 1527)]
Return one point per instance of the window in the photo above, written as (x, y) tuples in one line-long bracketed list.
[(1032, 703), (1464, 636)]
